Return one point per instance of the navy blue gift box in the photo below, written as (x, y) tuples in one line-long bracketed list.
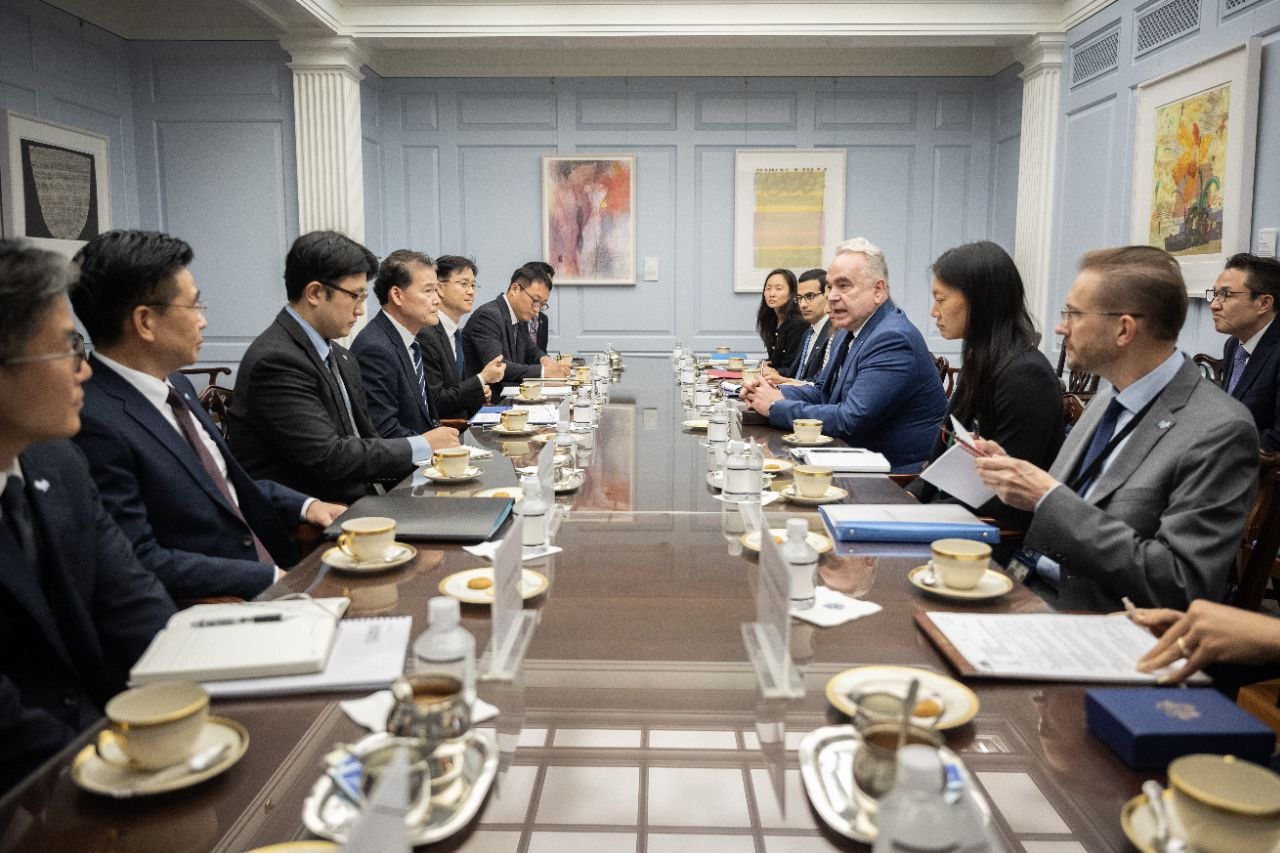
[(1147, 727)]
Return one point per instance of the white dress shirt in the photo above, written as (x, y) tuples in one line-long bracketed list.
[(511, 312), (450, 329)]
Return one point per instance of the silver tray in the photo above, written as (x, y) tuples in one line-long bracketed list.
[(826, 768), (329, 814)]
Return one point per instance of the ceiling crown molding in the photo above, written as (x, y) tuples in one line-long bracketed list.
[(317, 53)]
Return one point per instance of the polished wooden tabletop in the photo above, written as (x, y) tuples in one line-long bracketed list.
[(635, 723)]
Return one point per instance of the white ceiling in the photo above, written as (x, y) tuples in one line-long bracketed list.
[(492, 38)]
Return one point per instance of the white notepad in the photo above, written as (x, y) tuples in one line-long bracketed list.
[(299, 643), (368, 654), (848, 460)]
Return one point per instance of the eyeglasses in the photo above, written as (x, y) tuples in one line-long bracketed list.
[(1068, 314), (76, 353), (194, 306), (463, 283), (1211, 296), (358, 296), (808, 297), (537, 303)]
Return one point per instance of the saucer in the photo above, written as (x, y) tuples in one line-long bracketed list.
[(514, 492), (696, 424), (498, 428), (479, 452), (790, 438), (297, 847), (715, 479), (529, 400), (572, 481), (92, 773), (834, 494), (531, 583), (397, 555), (777, 466), (960, 703), (993, 584), (1139, 823), (819, 541), (439, 476)]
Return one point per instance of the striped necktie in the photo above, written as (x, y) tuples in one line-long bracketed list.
[(415, 354)]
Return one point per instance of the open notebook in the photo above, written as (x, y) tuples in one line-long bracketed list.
[(211, 642)]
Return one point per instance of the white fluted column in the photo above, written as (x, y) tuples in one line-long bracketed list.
[(1041, 59), (326, 115)]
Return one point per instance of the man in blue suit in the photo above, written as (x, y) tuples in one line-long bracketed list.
[(1244, 304), (880, 389), (77, 609), (194, 516), (390, 355)]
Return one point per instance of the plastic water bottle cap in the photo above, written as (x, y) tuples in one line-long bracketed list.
[(919, 769), (797, 528), (443, 611)]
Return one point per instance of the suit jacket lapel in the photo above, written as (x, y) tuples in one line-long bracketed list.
[(1073, 448), (300, 338), (1261, 354), (407, 373)]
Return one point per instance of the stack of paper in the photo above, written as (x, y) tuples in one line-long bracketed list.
[(848, 460)]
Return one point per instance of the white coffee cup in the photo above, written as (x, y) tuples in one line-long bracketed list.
[(749, 375), (531, 390), (451, 461), (812, 481), (367, 538), (960, 563), (807, 429), (155, 725), (515, 419)]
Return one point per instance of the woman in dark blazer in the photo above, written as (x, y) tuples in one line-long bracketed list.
[(1006, 391), (778, 319)]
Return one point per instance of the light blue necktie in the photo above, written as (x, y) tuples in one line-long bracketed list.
[(1237, 368)]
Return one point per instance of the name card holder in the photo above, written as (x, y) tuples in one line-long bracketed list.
[(768, 639), (512, 624)]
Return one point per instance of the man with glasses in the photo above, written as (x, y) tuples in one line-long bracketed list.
[(195, 518), (1148, 496), (1243, 303), (540, 326), (77, 609), (811, 298), (299, 414), (392, 361), (458, 394), (501, 328)]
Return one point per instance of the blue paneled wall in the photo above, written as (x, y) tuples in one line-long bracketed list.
[(453, 166), (1095, 146)]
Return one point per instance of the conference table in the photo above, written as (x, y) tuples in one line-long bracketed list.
[(635, 723)]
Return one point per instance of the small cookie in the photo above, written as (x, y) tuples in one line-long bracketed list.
[(926, 708), (480, 583)]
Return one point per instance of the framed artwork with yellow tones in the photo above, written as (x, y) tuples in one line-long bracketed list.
[(1197, 130), (788, 212)]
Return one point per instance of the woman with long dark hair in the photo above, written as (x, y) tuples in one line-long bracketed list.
[(1007, 390), (778, 319)]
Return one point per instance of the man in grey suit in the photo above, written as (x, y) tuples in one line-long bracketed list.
[(1148, 497)]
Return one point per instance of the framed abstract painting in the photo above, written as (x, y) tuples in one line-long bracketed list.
[(55, 183), (1196, 131), (788, 212), (588, 218)]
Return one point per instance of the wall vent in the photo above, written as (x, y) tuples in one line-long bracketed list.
[(1162, 23), (1096, 55), (1230, 7)]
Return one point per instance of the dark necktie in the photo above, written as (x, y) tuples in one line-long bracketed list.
[(187, 424), (1237, 368), (17, 517), (1101, 438), (332, 361), (459, 362), (415, 355), (533, 331), (837, 364)]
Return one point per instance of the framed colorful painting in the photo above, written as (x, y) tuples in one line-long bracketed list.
[(55, 184), (788, 212), (1193, 163), (588, 218)]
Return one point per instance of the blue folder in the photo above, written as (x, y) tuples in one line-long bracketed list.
[(909, 531)]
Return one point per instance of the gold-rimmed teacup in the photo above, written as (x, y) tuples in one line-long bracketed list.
[(960, 563), (367, 538), (812, 481), (514, 420), (153, 726)]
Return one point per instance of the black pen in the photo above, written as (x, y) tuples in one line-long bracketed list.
[(214, 623)]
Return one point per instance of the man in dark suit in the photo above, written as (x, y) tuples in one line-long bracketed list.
[(501, 328), (163, 470), (299, 415), (457, 394), (76, 607), (540, 327), (815, 349), (1148, 495), (391, 357), (1244, 304), (881, 389)]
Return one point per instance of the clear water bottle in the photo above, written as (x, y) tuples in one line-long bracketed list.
[(916, 816), (701, 394), (755, 465), (718, 424), (532, 509), (802, 563), (447, 647), (583, 411), (736, 482)]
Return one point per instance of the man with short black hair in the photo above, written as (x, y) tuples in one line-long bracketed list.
[(1244, 304), (815, 349), (77, 609), (501, 328), (1148, 496), (457, 393), (194, 516), (391, 358), (299, 415), (540, 327)]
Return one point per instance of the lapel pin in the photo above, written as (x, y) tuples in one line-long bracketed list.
[(41, 485), (1164, 424)]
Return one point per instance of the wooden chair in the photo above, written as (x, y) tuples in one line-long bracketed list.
[(1077, 381), (1211, 367), (215, 398), (946, 373), (1256, 559), (1073, 407)]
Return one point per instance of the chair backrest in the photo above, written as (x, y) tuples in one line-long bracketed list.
[(1077, 381), (1261, 539), (215, 398), (946, 373), (1072, 408), (1210, 367)]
